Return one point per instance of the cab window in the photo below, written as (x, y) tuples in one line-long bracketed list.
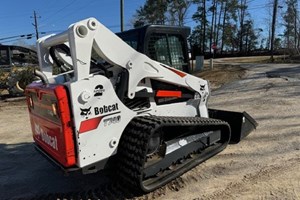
[(167, 49)]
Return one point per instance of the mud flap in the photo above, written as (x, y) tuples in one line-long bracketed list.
[(241, 123)]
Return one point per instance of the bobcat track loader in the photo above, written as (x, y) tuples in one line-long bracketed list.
[(111, 102)]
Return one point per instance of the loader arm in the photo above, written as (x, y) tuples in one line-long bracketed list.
[(89, 34)]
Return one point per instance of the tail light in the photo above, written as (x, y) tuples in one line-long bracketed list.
[(51, 125)]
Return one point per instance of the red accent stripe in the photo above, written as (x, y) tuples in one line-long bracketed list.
[(179, 73), (90, 124), (168, 93)]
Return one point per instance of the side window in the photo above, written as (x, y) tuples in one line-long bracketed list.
[(17, 57), (158, 48), (4, 60), (131, 39), (167, 49), (23, 57), (176, 51), (132, 43)]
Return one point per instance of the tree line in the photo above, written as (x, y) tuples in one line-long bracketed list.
[(226, 26)]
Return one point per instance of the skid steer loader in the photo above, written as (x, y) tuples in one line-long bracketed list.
[(113, 106)]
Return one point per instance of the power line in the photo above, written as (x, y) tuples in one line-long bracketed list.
[(15, 40), (17, 36), (23, 37), (58, 11), (67, 14)]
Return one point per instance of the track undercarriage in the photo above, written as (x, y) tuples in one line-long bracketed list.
[(155, 150)]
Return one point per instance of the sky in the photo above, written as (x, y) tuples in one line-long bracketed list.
[(56, 15)]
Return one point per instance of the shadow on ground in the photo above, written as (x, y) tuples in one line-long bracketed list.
[(24, 173)]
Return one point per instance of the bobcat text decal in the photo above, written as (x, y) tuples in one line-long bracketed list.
[(43, 135), (106, 109)]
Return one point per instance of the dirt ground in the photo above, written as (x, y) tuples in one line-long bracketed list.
[(265, 165), (221, 75)]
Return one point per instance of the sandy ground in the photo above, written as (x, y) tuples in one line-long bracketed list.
[(265, 165)]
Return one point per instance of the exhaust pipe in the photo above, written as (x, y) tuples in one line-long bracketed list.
[(37, 73), (42, 76)]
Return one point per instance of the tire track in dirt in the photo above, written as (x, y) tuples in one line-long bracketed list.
[(251, 178), (198, 174), (116, 190)]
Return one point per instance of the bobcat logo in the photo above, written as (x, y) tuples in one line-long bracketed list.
[(99, 91), (202, 87), (85, 111)]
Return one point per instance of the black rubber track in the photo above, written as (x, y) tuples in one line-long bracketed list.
[(132, 151)]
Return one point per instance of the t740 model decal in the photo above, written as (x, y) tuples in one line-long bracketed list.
[(92, 124)]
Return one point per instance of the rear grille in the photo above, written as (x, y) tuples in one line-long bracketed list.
[(138, 103)]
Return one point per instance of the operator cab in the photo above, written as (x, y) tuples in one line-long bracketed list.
[(165, 44)]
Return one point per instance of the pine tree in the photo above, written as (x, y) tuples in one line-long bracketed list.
[(153, 12), (199, 34), (291, 20), (229, 26), (177, 11)]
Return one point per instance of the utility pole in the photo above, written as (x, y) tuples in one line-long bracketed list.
[(273, 29), (35, 24), (122, 14)]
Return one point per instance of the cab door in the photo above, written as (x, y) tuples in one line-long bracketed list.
[(168, 49)]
